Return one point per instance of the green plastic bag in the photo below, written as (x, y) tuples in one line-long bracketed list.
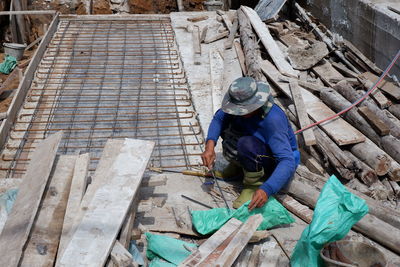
[(157, 262), (8, 64), (337, 210), (167, 248), (209, 221)]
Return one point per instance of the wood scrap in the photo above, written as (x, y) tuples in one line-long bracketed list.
[(338, 103), (395, 110), (11, 78), (376, 95), (250, 47), (304, 58), (41, 247), (306, 19), (255, 256), (216, 37), (76, 193), (326, 72), (339, 130), (373, 156), (269, 256), (301, 211), (28, 201), (350, 94), (180, 6), (232, 32), (269, 9), (91, 242), (269, 43), (308, 135), (203, 34), (377, 124), (240, 56), (197, 18), (239, 241), (386, 86), (121, 257), (367, 62), (344, 70), (363, 172), (212, 243), (196, 45)]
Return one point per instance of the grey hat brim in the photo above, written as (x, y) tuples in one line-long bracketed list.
[(248, 106)]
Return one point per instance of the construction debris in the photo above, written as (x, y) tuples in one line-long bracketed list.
[(311, 76)]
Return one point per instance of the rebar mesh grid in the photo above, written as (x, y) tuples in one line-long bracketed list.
[(103, 79)]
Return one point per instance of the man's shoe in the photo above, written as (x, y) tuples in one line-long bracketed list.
[(230, 172), (251, 182)]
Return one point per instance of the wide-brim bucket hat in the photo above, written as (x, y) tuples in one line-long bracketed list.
[(244, 96)]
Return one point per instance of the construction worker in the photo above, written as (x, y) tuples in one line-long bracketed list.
[(257, 139)]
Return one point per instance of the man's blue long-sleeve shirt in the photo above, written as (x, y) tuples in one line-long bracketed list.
[(275, 131)]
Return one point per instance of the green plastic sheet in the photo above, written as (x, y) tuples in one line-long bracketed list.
[(8, 64), (166, 248), (209, 221), (337, 210)]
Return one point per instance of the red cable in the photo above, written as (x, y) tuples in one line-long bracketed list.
[(389, 67)]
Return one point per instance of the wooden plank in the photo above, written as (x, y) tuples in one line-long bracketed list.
[(302, 211), (379, 126), (29, 12), (240, 56), (308, 135), (15, 74), (338, 129), (386, 86), (42, 245), (360, 55), (269, 256), (78, 188), (216, 76), (20, 21), (239, 241), (196, 45), (19, 222), (216, 37), (269, 43), (232, 32), (92, 241), (327, 73), (180, 5), (212, 243), (121, 257), (23, 87), (344, 70), (269, 9)]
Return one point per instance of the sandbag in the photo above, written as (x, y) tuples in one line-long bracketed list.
[(167, 248), (336, 211), (209, 221)]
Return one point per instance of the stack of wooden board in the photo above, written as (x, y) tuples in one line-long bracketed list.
[(58, 219)]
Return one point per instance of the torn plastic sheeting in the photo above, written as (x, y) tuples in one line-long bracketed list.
[(134, 251), (8, 64), (209, 221), (167, 248), (336, 211)]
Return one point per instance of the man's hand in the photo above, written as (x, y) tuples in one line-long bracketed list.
[(258, 200), (208, 155)]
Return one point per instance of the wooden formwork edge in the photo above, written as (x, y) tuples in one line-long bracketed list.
[(23, 87)]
